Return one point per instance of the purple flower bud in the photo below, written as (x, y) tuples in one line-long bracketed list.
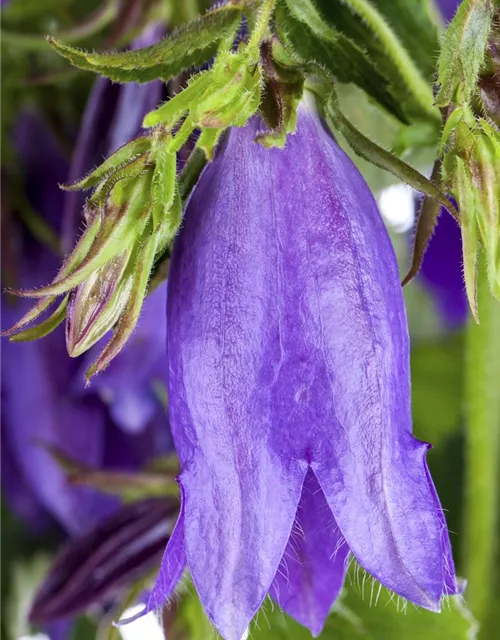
[(289, 391), (116, 553)]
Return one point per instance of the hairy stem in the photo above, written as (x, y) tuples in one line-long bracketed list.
[(482, 396)]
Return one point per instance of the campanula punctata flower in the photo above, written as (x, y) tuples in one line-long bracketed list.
[(289, 391)]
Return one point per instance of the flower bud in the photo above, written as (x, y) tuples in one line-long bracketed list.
[(472, 170), (97, 303)]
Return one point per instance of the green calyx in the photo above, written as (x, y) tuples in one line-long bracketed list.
[(132, 216), (471, 168), (226, 95)]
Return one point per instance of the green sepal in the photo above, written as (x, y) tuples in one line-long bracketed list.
[(313, 44), (208, 141), (127, 172), (230, 99), (187, 47), (164, 182), (70, 264), (124, 156), (378, 156), (470, 236), (175, 108), (182, 136), (44, 328), (236, 113), (170, 225), (471, 170), (426, 223), (128, 320), (463, 52), (120, 225)]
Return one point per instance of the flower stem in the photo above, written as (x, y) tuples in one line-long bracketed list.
[(261, 25), (482, 396)]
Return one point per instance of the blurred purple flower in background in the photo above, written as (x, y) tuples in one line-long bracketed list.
[(442, 272), (36, 405), (289, 391), (119, 422), (448, 8), (40, 382)]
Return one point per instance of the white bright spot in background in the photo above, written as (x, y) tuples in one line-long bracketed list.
[(38, 636), (397, 205), (146, 627)]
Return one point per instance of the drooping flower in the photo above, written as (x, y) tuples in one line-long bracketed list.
[(289, 391)]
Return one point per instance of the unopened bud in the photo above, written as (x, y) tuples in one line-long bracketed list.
[(472, 171), (95, 306)]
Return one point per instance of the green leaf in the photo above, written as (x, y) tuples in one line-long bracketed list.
[(463, 51), (437, 387), (187, 47), (164, 182), (413, 23), (359, 23), (315, 44)]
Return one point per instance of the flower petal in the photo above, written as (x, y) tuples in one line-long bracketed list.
[(241, 496), (288, 349), (172, 565), (312, 570)]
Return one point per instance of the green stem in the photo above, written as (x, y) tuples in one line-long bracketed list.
[(482, 396), (410, 73), (260, 28)]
